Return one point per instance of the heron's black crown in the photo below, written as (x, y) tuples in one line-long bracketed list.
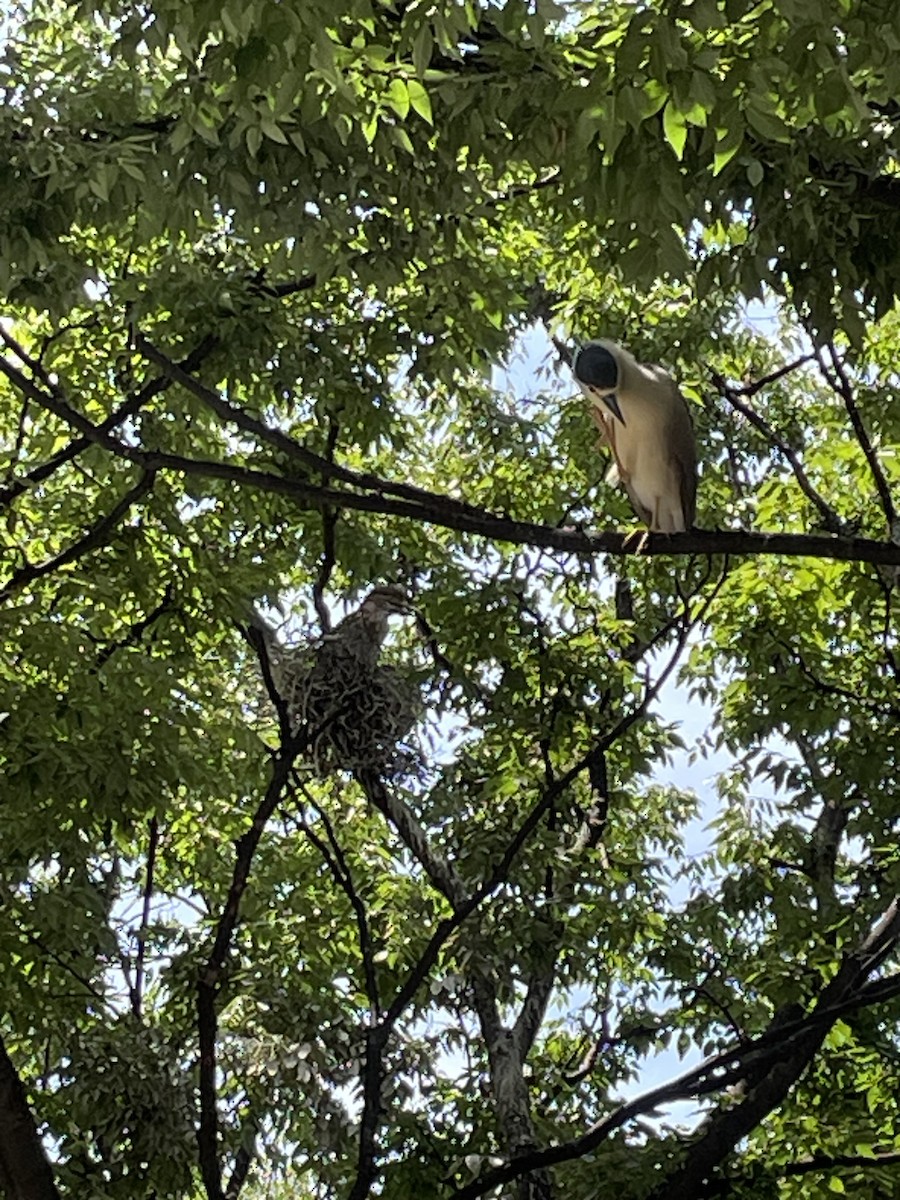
[(596, 366)]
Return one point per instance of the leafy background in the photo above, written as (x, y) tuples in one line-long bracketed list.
[(261, 262)]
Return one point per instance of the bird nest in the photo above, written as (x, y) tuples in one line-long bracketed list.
[(355, 715)]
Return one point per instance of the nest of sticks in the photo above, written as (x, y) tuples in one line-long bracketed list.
[(355, 715)]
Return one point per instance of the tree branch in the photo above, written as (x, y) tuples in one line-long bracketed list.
[(445, 880), (210, 980), (132, 405), (840, 382), (243, 1161), (448, 513), (442, 875), (384, 497), (512, 1104), (327, 468), (25, 1172), (803, 1166), (97, 535), (776, 1046), (137, 630), (757, 385), (831, 521), (726, 1128), (152, 845), (828, 1162), (336, 861)]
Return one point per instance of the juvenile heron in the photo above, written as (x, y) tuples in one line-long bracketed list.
[(355, 711), (360, 635), (644, 419)]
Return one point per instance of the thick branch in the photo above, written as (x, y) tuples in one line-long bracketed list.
[(384, 497), (209, 983), (25, 1172), (506, 1049), (243, 1161), (447, 513), (509, 1090), (775, 1046), (534, 1006)]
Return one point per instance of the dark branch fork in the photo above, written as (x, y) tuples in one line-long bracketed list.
[(781, 1053)]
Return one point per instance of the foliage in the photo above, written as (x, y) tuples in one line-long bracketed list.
[(269, 270)]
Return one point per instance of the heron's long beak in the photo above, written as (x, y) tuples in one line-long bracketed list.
[(612, 403)]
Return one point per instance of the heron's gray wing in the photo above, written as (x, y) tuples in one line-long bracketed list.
[(684, 453)]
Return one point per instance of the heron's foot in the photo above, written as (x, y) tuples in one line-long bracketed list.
[(642, 535)]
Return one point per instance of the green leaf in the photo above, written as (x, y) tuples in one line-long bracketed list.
[(370, 128), (397, 96), (273, 131), (674, 129), (722, 158), (253, 138), (419, 100), (422, 50), (180, 136), (401, 138)]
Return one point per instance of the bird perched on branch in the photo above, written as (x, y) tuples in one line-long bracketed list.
[(354, 710), (645, 421)]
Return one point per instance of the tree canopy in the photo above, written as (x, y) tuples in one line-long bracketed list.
[(276, 279)]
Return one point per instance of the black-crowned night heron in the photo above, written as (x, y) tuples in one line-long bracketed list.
[(354, 710), (645, 421)]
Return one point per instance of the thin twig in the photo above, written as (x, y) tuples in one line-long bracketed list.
[(97, 535), (152, 845), (831, 521), (840, 382), (336, 861)]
